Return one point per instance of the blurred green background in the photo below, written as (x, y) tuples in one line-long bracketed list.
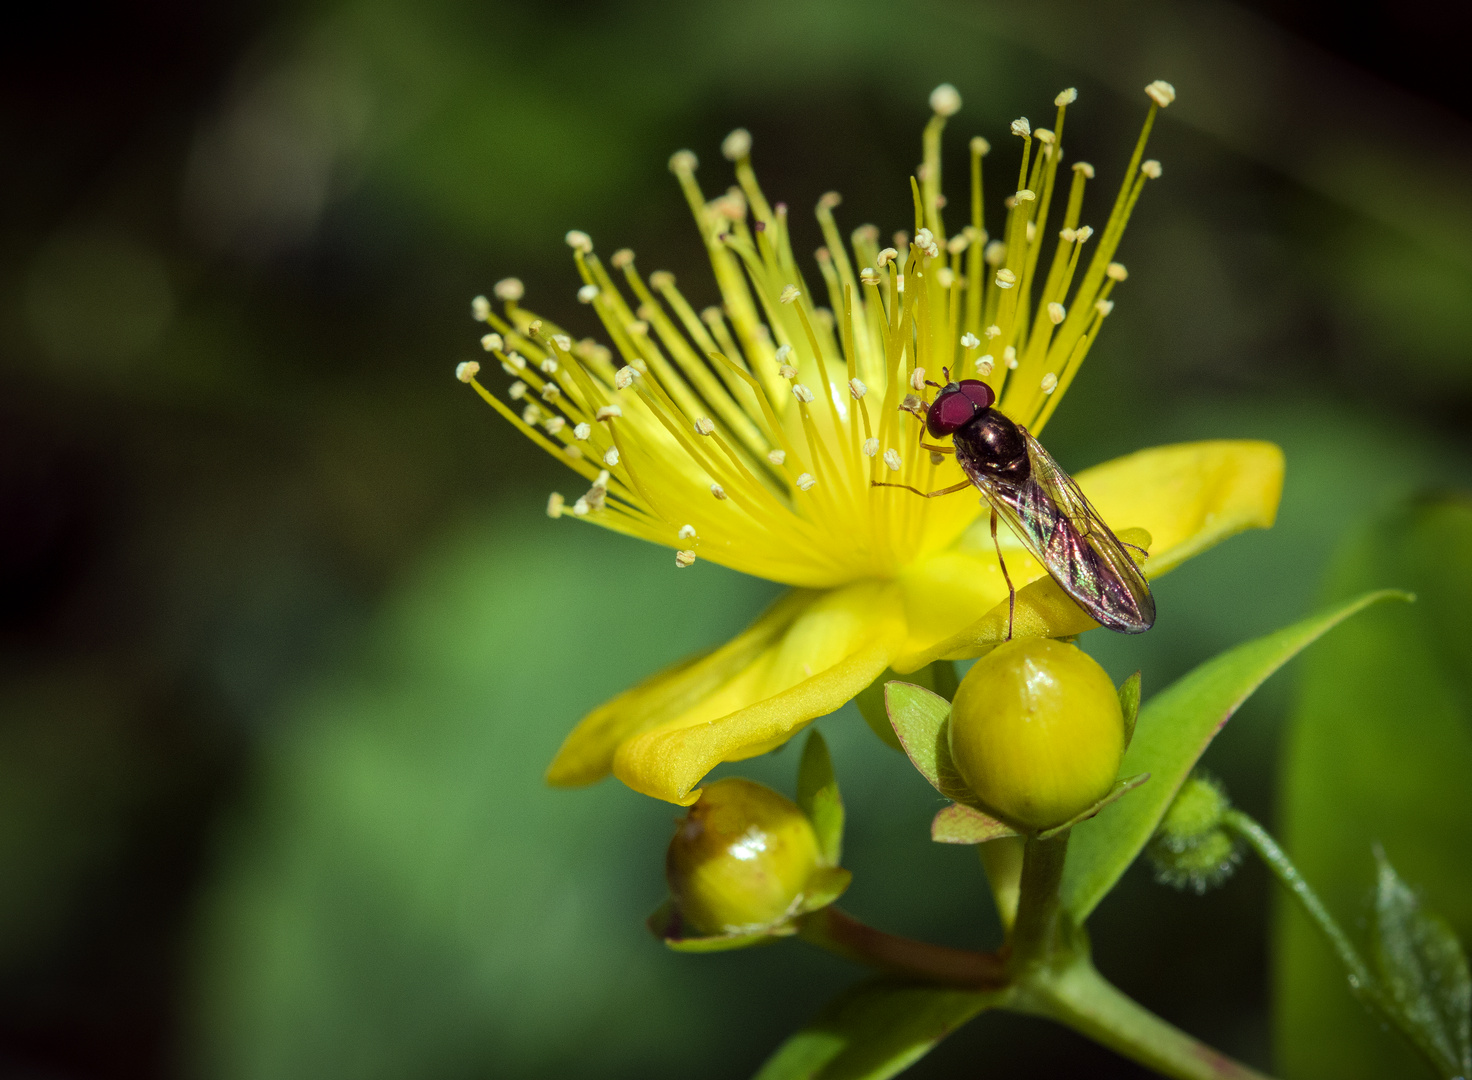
[(288, 641)]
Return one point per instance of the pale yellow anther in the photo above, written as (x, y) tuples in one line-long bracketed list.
[(551, 392), (555, 503), (582, 432), (608, 412), (995, 253), (1084, 232), (1085, 168), (684, 558), (993, 331), (893, 460), (1026, 195), (711, 315), (467, 370), (789, 294), (516, 391), (580, 508), (687, 532), (958, 243), (480, 309), (1151, 169), (579, 240), (802, 393), (1103, 307), (534, 328), (509, 289), (1161, 92), (1032, 231), (1067, 97), (857, 389), (984, 364), (610, 458), (980, 147), (805, 481), (572, 451), (829, 200), (601, 481), (661, 280), (736, 145), (917, 380), (945, 99), (562, 341), (944, 277), (1006, 279), (1068, 236), (1056, 313), (869, 276), (684, 161), (718, 491), (548, 366), (899, 283), (705, 426), (1116, 271), (1050, 383), (555, 424), (1045, 136), (516, 360), (871, 447), (969, 340), (638, 326), (531, 416), (624, 377), (777, 457), (1021, 127), (588, 293), (787, 371), (621, 258), (885, 257), (1009, 357)]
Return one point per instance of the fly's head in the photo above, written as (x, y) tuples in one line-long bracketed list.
[(957, 405)]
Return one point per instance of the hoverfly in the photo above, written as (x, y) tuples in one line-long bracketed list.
[(1042, 505)]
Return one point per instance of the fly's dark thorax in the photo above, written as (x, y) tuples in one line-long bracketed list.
[(993, 447)]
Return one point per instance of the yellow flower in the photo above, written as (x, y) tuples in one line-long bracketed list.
[(748, 434)]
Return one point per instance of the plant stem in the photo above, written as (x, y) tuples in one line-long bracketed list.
[(839, 932), (1034, 932), (1084, 1000)]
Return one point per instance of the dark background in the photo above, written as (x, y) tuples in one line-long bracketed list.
[(287, 642)]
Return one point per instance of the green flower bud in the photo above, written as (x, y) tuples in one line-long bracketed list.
[(740, 858), (1191, 849), (1037, 732)]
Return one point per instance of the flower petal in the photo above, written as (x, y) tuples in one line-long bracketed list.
[(587, 753), (831, 651)]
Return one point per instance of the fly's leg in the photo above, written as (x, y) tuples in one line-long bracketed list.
[(936, 449), (1011, 592), (962, 486)]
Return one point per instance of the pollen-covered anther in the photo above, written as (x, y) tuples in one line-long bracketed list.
[(1026, 195), (969, 340), (582, 431), (805, 481), (638, 326), (579, 241), (588, 293), (705, 426), (980, 147), (857, 389), (1161, 92), (787, 371), (1009, 357), (531, 416), (917, 380), (871, 447), (1068, 236), (899, 283), (555, 424), (573, 452), (868, 276), (885, 257), (687, 532), (551, 392), (534, 328), (1066, 97), (995, 253), (802, 393), (958, 243), (608, 412), (562, 341), (548, 366), (736, 145), (984, 365), (944, 277), (777, 457), (684, 559), (661, 280), (555, 503), (1006, 279), (1056, 313), (624, 377), (480, 309), (580, 508), (1083, 233), (993, 331), (1021, 127), (1050, 383), (684, 161), (509, 289), (945, 100), (789, 294), (516, 391), (467, 370), (1116, 271), (1151, 169), (1103, 307), (621, 258), (610, 458), (893, 460), (1085, 168), (718, 491), (1032, 231), (1044, 136)]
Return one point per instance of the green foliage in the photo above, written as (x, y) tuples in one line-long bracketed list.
[(1379, 750), (1422, 971), (919, 718), (939, 678), (1129, 704), (875, 1030), (1173, 730), (817, 794)]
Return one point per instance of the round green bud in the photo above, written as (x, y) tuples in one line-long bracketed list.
[(740, 858), (1191, 849), (1037, 731)]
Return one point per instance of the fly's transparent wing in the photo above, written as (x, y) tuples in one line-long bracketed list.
[(1061, 529)]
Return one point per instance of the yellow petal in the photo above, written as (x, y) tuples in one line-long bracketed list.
[(831, 651), (587, 753)]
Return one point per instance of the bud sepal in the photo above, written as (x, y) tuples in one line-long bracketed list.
[(746, 863)]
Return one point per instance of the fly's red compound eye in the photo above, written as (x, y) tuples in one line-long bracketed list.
[(956, 405), (979, 392)]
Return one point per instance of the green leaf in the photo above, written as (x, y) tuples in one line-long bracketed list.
[(826, 885), (1378, 750), (1174, 728), (1129, 703), (962, 824), (939, 678), (1119, 790), (919, 718), (817, 794), (874, 1030), (1423, 970)]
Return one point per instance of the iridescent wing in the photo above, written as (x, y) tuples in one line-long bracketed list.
[(1061, 529)]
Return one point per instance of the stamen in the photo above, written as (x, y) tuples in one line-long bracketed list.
[(492, 343), (510, 289), (984, 365), (480, 309), (871, 447), (945, 99), (776, 457), (1050, 383), (684, 558), (869, 276), (579, 241), (582, 431), (687, 532), (1085, 168), (549, 367), (555, 425), (980, 147), (516, 391), (1009, 356), (1103, 307), (588, 293), (608, 412), (1056, 313), (736, 145), (624, 377), (969, 340), (1021, 127), (995, 253), (886, 256), (802, 393), (555, 503), (893, 460), (1067, 97), (1116, 271), (917, 380), (856, 389), (789, 294), (1161, 92), (704, 426), (610, 458), (993, 331), (805, 481), (718, 491), (1006, 279), (1151, 169), (623, 257), (467, 370)]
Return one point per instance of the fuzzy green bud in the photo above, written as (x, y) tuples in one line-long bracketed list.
[(740, 858), (1191, 848), (1037, 731)]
